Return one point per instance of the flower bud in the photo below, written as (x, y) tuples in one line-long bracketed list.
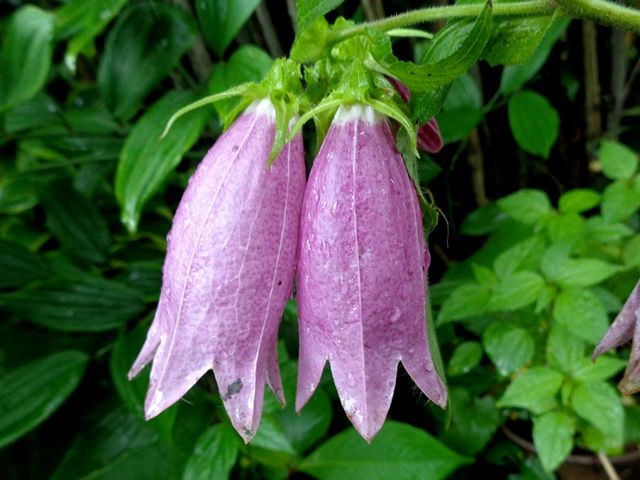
[(228, 272), (362, 272)]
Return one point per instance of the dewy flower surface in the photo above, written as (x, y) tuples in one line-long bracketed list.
[(228, 272), (626, 327), (362, 272)]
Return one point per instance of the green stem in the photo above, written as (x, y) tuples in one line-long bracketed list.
[(603, 12), (527, 8)]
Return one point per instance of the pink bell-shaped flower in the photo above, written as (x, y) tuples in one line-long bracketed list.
[(362, 272), (228, 272), (626, 327)]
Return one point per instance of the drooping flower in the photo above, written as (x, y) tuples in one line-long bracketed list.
[(362, 272), (429, 138), (228, 272), (626, 327)]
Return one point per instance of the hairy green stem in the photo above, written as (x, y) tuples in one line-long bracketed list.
[(603, 12), (527, 8)]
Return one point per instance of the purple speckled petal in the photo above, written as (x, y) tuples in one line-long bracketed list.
[(228, 272), (621, 330), (630, 383), (362, 272)]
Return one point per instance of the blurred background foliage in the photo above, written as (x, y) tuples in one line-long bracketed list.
[(538, 183)]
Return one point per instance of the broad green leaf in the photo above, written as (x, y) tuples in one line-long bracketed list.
[(450, 54), (516, 290), (618, 161), (84, 20), (566, 229), (17, 194), (303, 429), (465, 358), (599, 230), (514, 77), (399, 451), (603, 368), (20, 265), (579, 200), (308, 11), (214, 455), (620, 200), (39, 111), (526, 206), (524, 255), (565, 351), (515, 41), (145, 44), (575, 272), (599, 404), (483, 220), (31, 393), (221, 20), (119, 446), (473, 422), (509, 347), (553, 437), (464, 93), (581, 312), (455, 125), (535, 390), (76, 222), (465, 301), (146, 160), (632, 252), (25, 55), (534, 122), (483, 275), (87, 304), (247, 64), (271, 446)]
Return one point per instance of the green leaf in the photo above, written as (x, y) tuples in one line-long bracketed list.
[(535, 390), (145, 44), (303, 429), (516, 291), (308, 11), (603, 368), (450, 54), (523, 255), (23, 264), (618, 161), (483, 220), (88, 304), (513, 78), (570, 272), (40, 111), (465, 358), (565, 351), (515, 41), (620, 201), (465, 301), (599, 230), (509, 347), (247, 64), (399, 451), (462, 109), (221, 20), (84, 20), (271, 446), (568, 229), (473, 422), (214, 455), (464, 93), (31, 393), (25, 56), (76, 222), (579, 200), (553, 437), (632, 252), (581, 312), (146, 160), (534, 122), (599, 404), (526, 205), (119, 446)]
